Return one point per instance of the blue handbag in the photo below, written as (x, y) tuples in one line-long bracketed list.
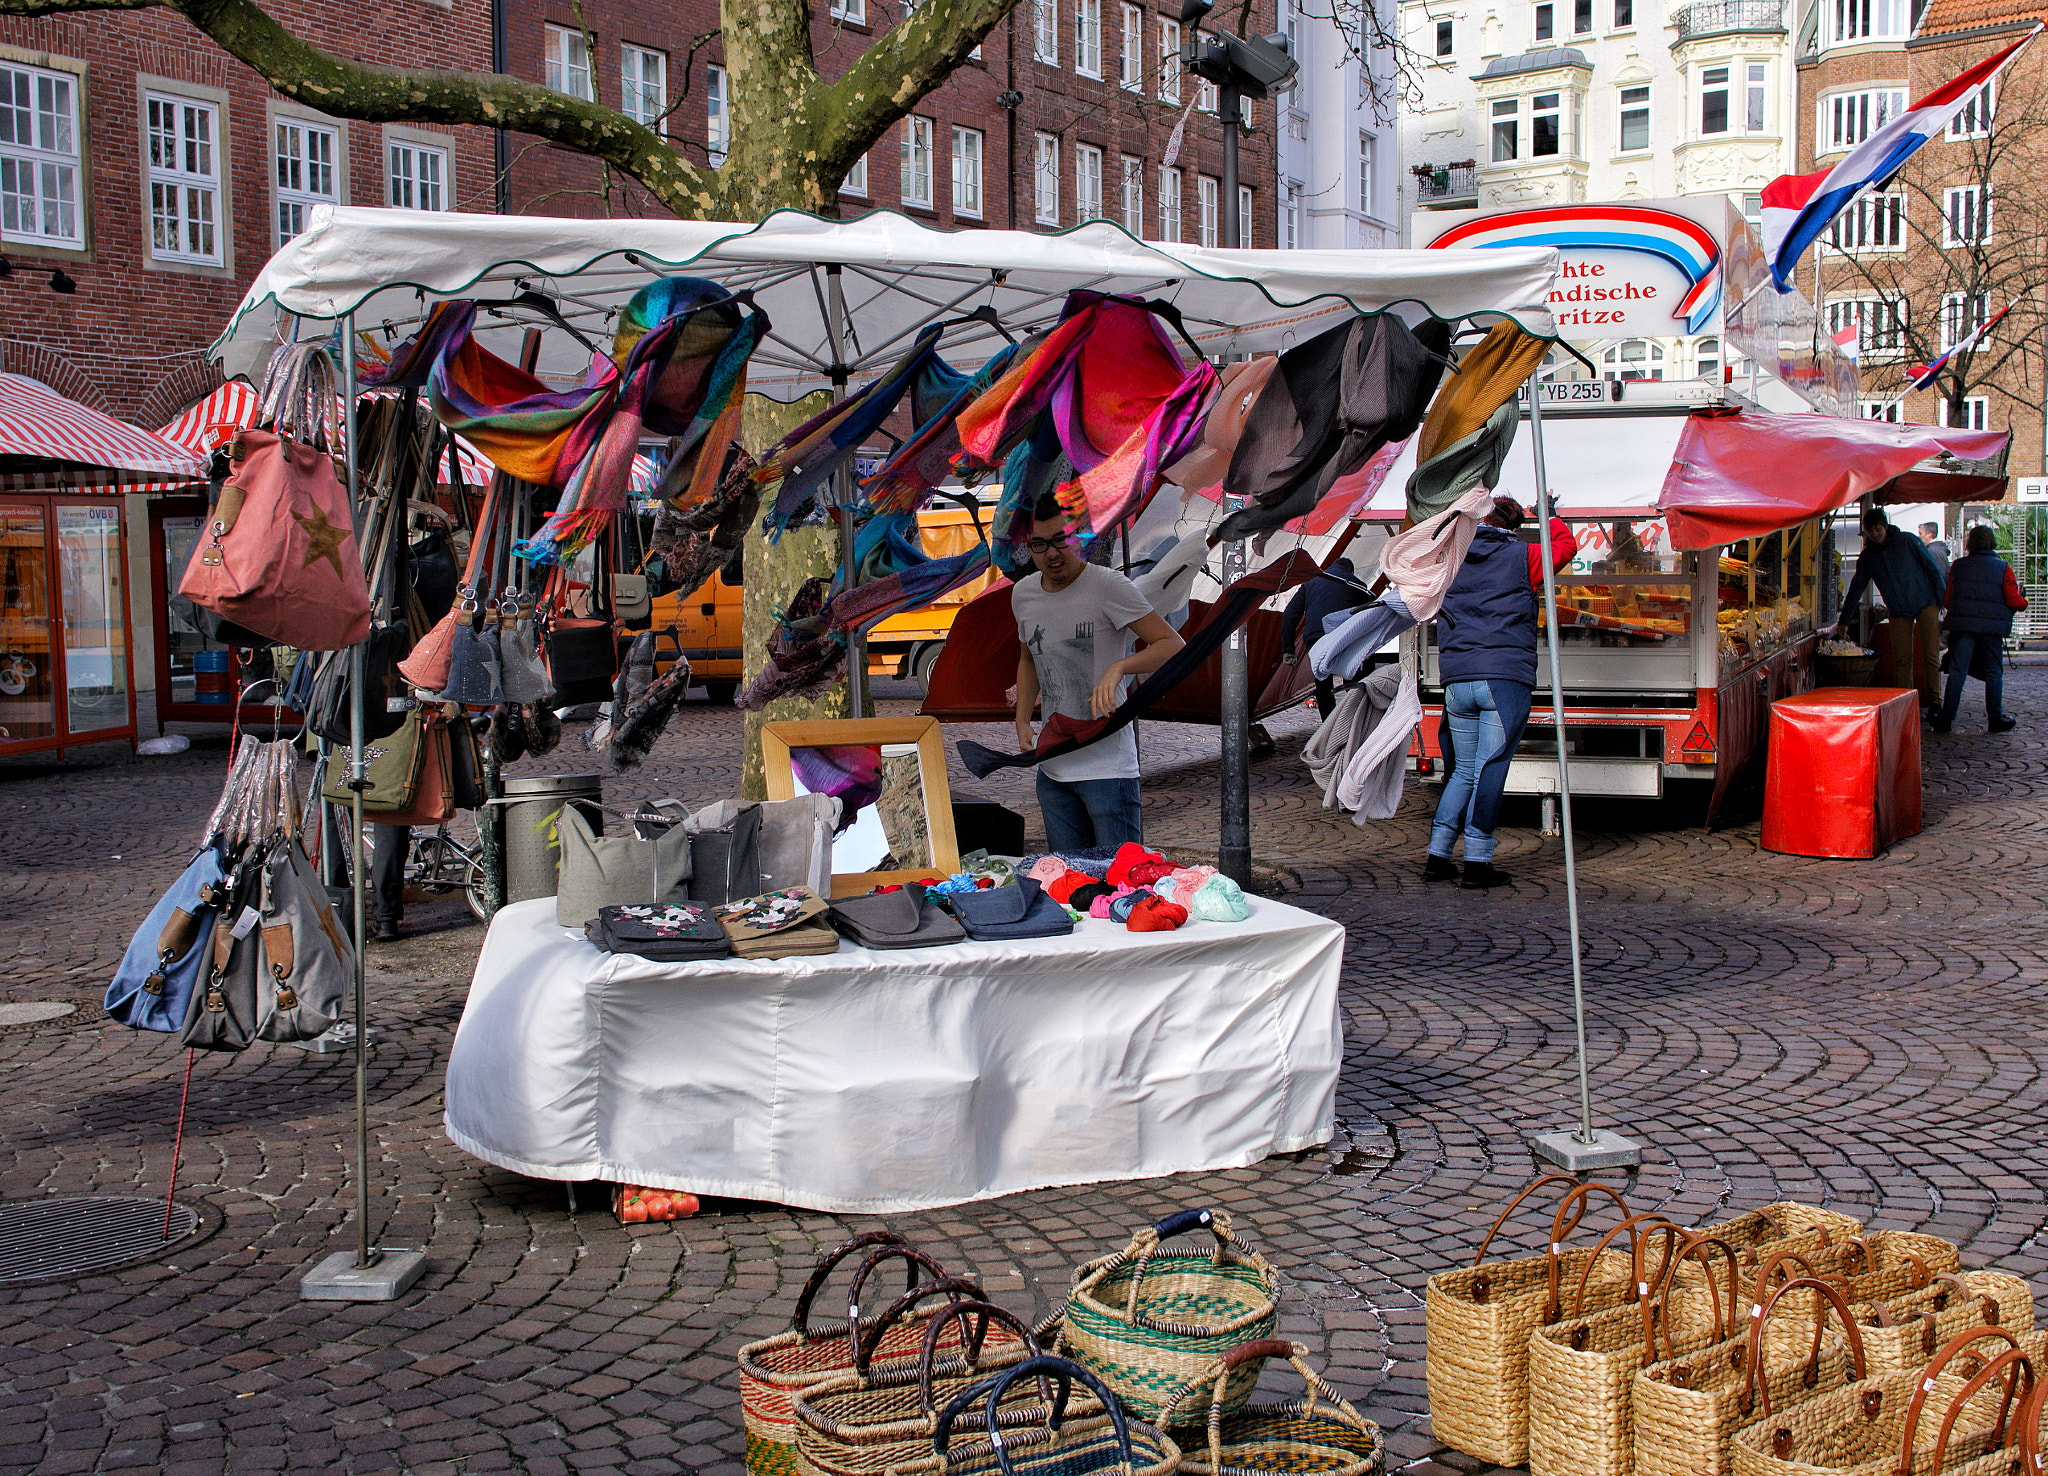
[(1023, 909), (152, 988)]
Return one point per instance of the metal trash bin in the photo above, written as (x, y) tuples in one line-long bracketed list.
[(533, 849)]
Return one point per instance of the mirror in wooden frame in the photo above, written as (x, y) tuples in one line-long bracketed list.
[(889, 775)]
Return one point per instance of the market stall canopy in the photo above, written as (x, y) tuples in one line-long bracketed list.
[(1600, 467), (47, 440), (1741, 475), (895, 276)]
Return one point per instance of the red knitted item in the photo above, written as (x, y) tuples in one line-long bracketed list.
[(1065, 886), (1128, 855), (1156, 915), (1149, 871)]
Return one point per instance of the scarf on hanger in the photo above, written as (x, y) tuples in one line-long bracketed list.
[(1300, 437), (1465, 440), (906, 479), (1111, 490)]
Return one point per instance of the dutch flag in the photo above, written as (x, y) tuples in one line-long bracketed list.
[(1798, 207), (1920, 376)]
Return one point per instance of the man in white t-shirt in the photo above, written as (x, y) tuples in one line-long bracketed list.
[(1075, 623)]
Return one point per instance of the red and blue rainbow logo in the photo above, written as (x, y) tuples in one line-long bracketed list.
[(1685, 244)]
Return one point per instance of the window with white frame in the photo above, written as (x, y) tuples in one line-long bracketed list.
[(1244, 215), (1046, 179), (1879, 410), (1755, 90), (1848, 118), (1208, 97), (1045, 30), (1290, 216), (1871, 223), (856, 181), (1169, 60), (568, 62), (1713, 101), (1881, 322), (1546, 125), (967, 171), (1706, 356), (1088, 37), (1507, 129), (1206, 191), (1624, 14), (304, 156), (1634, 358), (1546, 26), (850, 10), (417, 175), (1134, 196), (1850, 21), (1976, 414), (184, 179), (643, 85), (1962, 313), (1368, 169), (39, 156), (1169, 204), (1087, 182), (1974, 121), (1582, 17), (1635, 119), (717, 115), (1966, 215), (1131, 66), (915, 146)]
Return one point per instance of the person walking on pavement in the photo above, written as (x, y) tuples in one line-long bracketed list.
[(1911, 587), (1930, 534), (1323, 596), (1486, 654), (1982, 596)]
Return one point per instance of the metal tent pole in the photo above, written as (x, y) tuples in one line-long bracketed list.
[(842, 493), (1234, 833), (1585, 1149)]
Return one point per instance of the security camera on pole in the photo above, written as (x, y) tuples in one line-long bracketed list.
[(1240, 67)]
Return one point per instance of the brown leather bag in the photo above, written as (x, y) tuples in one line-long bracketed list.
[(434, 800), (426, 667)]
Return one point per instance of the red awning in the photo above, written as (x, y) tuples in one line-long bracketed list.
[(44, 435), (213, 421), (1741, 475)]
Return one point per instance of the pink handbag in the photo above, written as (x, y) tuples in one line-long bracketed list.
[(279, 554)]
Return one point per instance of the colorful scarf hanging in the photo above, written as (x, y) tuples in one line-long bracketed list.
[(1110, 491), (920, 464)]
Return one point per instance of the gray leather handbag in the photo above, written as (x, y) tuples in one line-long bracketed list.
[(608, 871), (904, 918)]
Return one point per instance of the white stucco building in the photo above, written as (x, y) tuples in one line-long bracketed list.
[(1338, 144)]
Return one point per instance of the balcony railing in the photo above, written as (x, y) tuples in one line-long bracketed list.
[(1711, 17), (1440, 182)]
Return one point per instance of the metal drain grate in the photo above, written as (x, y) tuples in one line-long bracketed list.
[(58, 1239)]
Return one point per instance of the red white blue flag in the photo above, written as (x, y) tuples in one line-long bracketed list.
[(1922, 375)]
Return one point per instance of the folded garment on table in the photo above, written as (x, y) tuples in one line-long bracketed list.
[(1155, 915), (903, 918)]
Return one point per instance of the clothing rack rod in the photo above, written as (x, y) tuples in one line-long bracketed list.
[(357, 721)]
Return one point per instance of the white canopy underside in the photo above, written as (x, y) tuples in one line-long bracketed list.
[(388, 266), (1599, 466)]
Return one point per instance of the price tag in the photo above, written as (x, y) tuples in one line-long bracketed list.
[(249, 918)]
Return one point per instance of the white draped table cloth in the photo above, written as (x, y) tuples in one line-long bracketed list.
[(869, 1080)]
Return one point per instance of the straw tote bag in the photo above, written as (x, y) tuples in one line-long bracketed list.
[(1480, 1318), (1865, 1268), (1904, 1332), (1688, 1409), (1321, 1433), (1103, 1439), (1786, 1225)]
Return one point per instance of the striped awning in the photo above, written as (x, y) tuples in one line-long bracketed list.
[(214, 420), (44, 435), (646, 476)]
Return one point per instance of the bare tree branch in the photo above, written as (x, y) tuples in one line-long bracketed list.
[(896, 73)]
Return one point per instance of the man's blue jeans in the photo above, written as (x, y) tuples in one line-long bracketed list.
[(1089, 812)]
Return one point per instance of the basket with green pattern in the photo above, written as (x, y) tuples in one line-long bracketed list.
[(1093, 1438), (1321, 1435), (1148, 1320)]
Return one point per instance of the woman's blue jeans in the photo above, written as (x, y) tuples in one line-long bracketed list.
[(1485, 719)]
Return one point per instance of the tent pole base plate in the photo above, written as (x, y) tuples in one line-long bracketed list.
[(340, 1279), (1607, 1150)]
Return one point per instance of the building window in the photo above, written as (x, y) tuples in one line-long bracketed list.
[(1206, 188), (1507, 130), (643, 85), (1634, 358), (966, 171), (1848, 118), (917, 162), (1879, 410), (1045, 30), (1543, 126), (1966, 215), (1368, 167), (1753, 212), (1244, 215), (1208, 97), (1087, 182), (1290, 216), (1544, 27), (1962, 313), (1443, 38), (39, 156), (1976, 412), (1131, 65), (1707, 356), (1169, 204), (1753, 101), (855, 11), (1088, 37), (1134, 196), (1635, 118), (568, 62), (1713, 101), (717, 125), (856, 181), (1582, 17), (1872, 223), (1974, 121), (1868, 20), (1881, 322), (1047, 179), (1624, 14), (305, 174), (1169, 60), (416, 177), (184, 180)]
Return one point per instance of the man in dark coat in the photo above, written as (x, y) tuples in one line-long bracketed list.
[(1911, 588), (1301, 624)]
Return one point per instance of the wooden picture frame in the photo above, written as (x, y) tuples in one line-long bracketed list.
[(777, 739)]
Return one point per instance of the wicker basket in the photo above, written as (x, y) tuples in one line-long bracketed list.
[(1146, 1321), (1582, 1371), (1321, 1433), (863, 1422), (1904, 1332), (1864, 1268), (1103, 1441), (1786, 1226), (1480, 1318), (1877, 1426), (1688, 1409), (773, 1370), (1845, 671)]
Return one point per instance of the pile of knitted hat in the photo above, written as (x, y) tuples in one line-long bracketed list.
[(1144, 891)]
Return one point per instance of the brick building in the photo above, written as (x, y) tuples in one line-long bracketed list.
[(1957, 235)]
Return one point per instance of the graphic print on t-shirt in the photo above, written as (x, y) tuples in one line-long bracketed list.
[(1073, 636)]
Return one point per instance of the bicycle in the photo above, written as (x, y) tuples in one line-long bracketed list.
[(438, 863)]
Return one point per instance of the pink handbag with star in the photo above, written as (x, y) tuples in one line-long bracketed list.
[(278, 554)]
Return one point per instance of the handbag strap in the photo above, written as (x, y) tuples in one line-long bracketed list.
[(297, 398)]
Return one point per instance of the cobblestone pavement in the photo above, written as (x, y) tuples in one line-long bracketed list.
[(1862, 1034)]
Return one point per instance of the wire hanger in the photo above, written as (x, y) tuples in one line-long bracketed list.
[(536, 302), (986, 313)]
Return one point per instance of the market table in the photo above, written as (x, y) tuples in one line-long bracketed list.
[(868, 1081), (1843, 777)]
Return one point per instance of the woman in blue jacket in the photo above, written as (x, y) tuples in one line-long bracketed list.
[(1982, 596), (1486, 657)]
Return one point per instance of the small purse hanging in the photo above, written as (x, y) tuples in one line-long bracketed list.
[(632, 598), (583, 653), (154, 983), (433, 801), (391, 767), (428, 665)]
